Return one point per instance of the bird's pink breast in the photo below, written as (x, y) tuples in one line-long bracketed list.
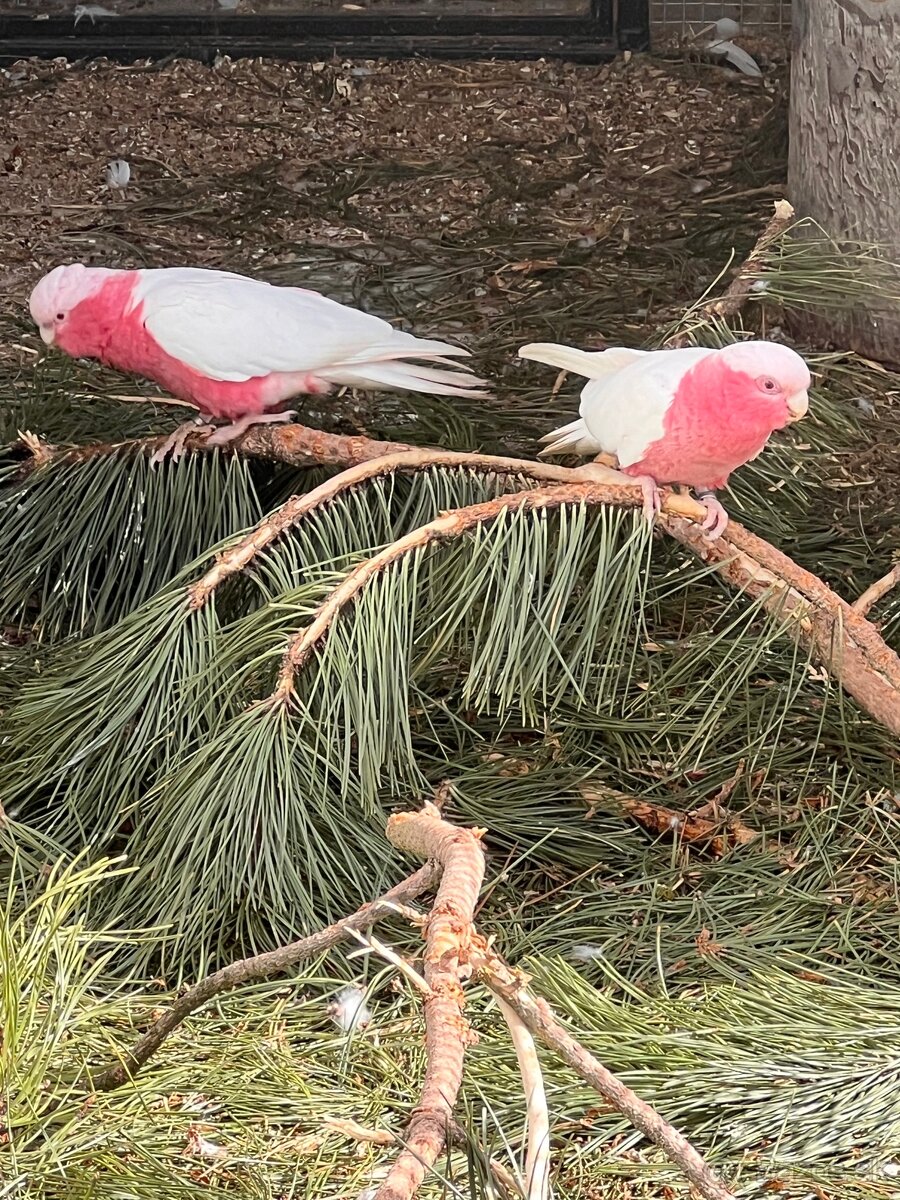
[(717, 421), (105, 326)]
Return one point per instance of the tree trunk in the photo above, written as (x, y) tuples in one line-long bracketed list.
[(845, 146)]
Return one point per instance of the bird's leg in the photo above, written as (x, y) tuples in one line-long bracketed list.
[(603, 469), (174, 444), (716, 517), (228, 433)]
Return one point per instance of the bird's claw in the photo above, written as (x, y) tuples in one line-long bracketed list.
[(716, 519), (229, 433), (174, 444), (652, 497)]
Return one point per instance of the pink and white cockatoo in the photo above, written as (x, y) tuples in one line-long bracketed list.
[(687, 417), (237, 348)]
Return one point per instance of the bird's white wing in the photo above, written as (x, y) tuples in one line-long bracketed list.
[(624, 412), (232, 328)]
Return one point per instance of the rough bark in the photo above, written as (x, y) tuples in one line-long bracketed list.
[(845, 147)]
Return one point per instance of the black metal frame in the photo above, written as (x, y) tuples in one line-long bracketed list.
[(612, 26)]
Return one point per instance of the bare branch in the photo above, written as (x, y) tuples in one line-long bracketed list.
[(260, 966), (537, 1015), (537, 1155), (447, 937), (880, 588)]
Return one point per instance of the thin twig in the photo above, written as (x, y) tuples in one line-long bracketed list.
[(537, 1155), (874, 593), (730, 303), (260, 966), (447, 937)]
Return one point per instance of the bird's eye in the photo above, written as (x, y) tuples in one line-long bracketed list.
[(60, 316), (765, 384)]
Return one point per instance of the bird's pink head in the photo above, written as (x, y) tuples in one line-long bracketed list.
[(57, 306), (773, 380)]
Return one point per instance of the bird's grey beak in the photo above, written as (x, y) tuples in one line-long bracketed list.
[(47, 335), (798, 405)]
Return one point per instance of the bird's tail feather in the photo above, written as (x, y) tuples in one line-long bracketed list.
[(590, 364), (569, 439), (410, 377)]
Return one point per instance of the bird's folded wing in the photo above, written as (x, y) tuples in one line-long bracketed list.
[(231, 328)]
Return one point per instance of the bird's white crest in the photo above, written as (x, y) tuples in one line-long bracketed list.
[(349, 1010)]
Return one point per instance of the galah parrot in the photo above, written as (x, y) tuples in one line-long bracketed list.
[(687, 417), (234, 347)]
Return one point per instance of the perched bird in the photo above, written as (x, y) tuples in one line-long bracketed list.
[(687, 417), (235, 347)]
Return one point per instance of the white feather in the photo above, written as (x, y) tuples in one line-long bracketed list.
[(229, 327), (623, 408), (736, 56), (349, 1010)]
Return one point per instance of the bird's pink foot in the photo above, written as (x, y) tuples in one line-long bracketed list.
[(652, 498), (174, 444), (716, 518), (228, 433)]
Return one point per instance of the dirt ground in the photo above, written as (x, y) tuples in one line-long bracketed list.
[(497, 172)]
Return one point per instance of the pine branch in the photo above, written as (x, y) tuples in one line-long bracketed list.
[(448, 932), (260, 966), (405, 461), (452, 525), (840, 638)]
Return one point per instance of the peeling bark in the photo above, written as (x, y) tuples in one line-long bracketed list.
[(845, 146)]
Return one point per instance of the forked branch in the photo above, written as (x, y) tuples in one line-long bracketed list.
[(260, 966)]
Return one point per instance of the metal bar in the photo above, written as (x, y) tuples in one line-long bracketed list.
[(590, 38)]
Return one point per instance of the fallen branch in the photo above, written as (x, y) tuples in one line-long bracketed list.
[(537, 1015), (874, 593), (448, 932), (427, 835), (260, 966), (537, 1154)]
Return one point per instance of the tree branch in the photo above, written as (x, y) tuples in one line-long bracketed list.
[(406, 461), (444, 528), (537, 1015), (840, 638), (880, 588), (427, 835), (448, 932), (261, 966)]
